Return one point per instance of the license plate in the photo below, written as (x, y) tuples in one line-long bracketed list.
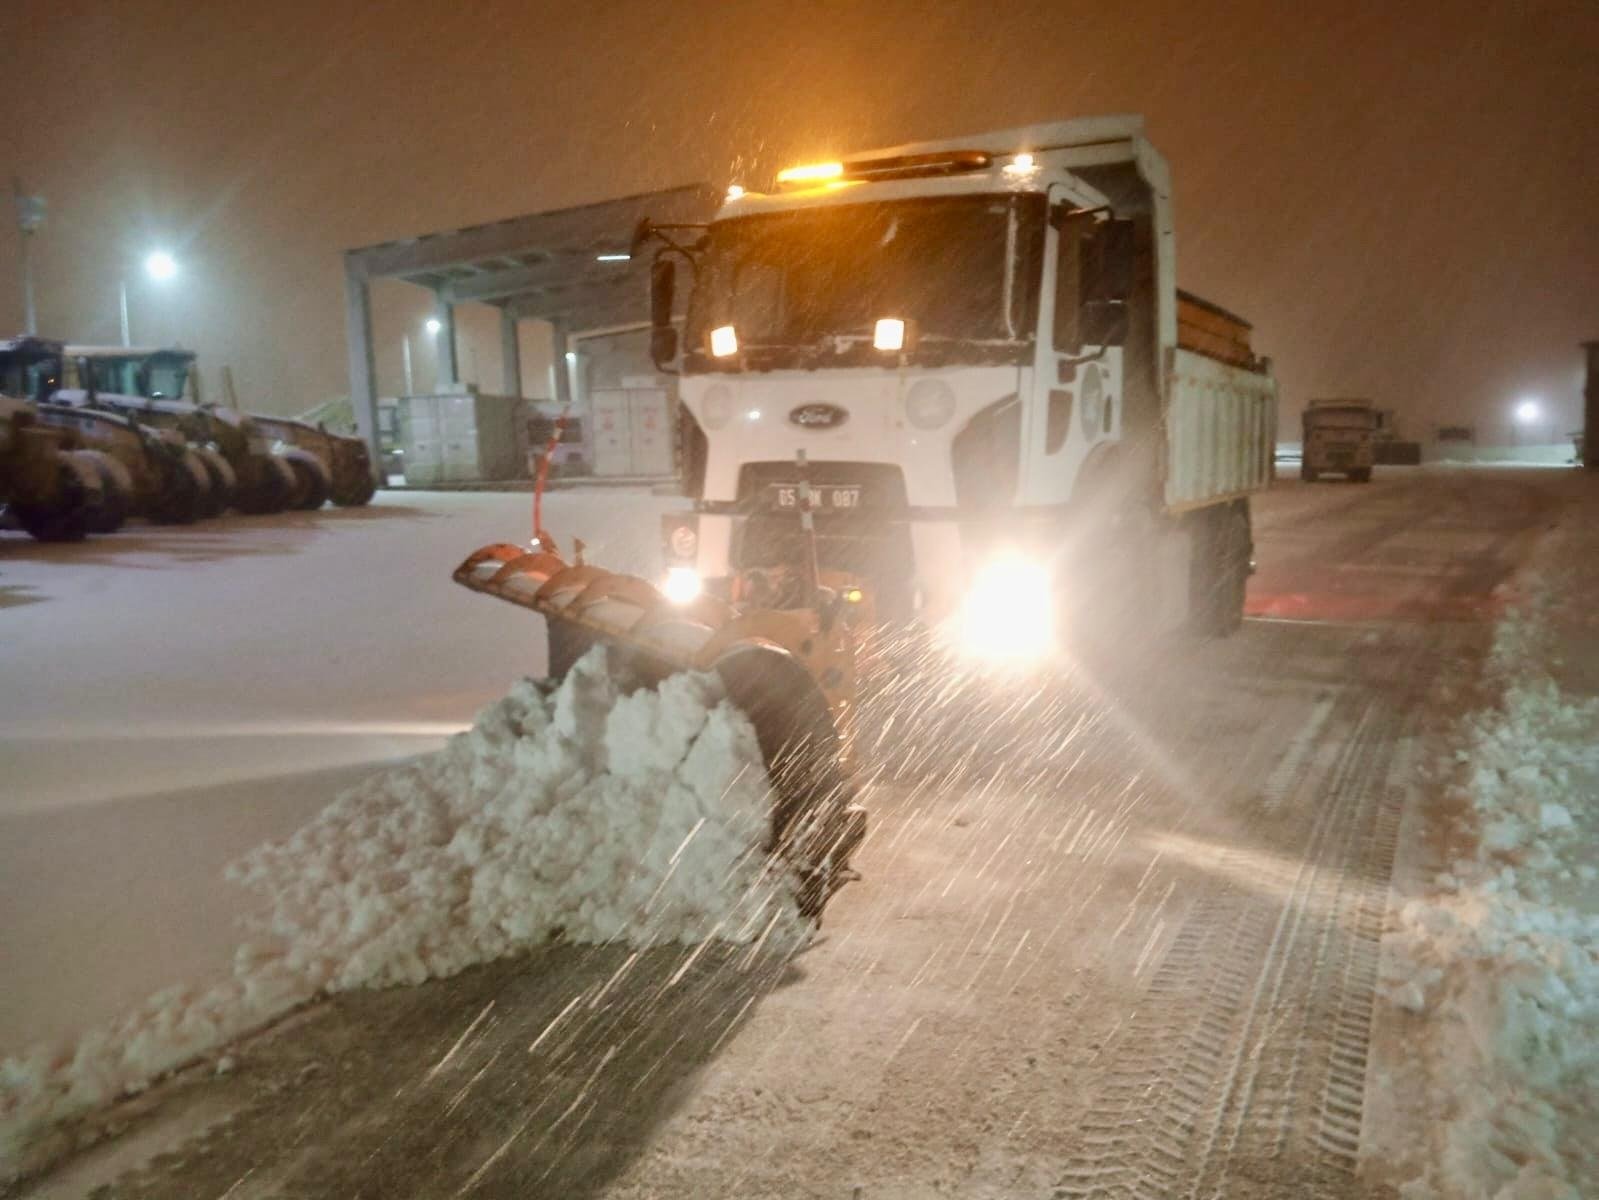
[(825, 497)]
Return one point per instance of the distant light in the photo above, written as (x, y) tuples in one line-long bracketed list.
[(810, 173), (682, 584), (161, 266), (1020, 165), (734, 192), (889, 334), (571, 356), (754, 414), (1528, 411), (724, 341), (613, 258), (432, 325)]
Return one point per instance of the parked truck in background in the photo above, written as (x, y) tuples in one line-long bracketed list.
[(1340, 438), (973, 356)]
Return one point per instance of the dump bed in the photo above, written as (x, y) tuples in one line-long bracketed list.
[(1221, 410)]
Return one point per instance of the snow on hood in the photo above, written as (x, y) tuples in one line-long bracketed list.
[(585, 811)]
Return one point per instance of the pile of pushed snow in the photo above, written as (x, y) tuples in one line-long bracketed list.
[(584, 811), (1502, 956)]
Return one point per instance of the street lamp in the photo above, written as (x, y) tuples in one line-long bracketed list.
[(159, 266), (433, 325)]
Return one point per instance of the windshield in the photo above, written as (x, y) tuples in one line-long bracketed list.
[(155, 377), (806, 287), (26, 376), (115, 376), (1342, 418), (165, 378)]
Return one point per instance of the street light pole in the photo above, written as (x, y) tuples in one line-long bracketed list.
[(30, 216), (122, 297)]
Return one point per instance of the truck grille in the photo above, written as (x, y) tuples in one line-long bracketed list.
[(872, 543)]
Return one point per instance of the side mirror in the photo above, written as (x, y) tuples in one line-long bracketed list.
[(663, 289), (1108, 256), (663, 346), (1108, 269)]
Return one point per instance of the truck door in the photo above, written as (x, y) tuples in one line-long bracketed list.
[(1076, 388)]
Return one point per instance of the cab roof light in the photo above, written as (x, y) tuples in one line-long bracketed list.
[(896, 166), (811, 173), (912, 166)]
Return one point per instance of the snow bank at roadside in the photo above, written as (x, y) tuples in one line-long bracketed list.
[(583, 811), (1501, 957)]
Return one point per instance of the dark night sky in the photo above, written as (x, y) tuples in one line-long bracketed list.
[(1402, 196)]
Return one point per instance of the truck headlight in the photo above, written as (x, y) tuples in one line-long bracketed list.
[(682, 584), (1009, 613)]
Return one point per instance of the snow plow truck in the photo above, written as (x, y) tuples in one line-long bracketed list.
[(950, 387)]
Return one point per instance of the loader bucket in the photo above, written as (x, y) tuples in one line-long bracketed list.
[(789, 675)]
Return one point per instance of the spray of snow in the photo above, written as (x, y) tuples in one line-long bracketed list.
[(589, 812), (1501, 956)]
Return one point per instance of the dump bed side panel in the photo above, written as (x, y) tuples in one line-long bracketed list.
[(1221, 431)]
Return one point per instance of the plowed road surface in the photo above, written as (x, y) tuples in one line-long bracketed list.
[(1139, 961)]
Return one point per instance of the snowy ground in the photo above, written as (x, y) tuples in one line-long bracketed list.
[(1150, 947)]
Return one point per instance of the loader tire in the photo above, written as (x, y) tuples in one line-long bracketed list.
[(224, 484), (273, 489), (1363, 475), (70, 519), (1220, 571), (116, 491), (355, 491), (1307, 473), (183, 495), (311, 482)]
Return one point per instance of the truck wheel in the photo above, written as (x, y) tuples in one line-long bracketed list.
[(356, 491), (311, 482), (1219, 576), (1363, 475), (224, 484), (1307, 473)]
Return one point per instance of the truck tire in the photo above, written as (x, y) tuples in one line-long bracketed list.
[(224, 484), (355, 491), (1307, 473), (311, 482), (1363, 475), (272, 491), (116, 491), (1219, 575)]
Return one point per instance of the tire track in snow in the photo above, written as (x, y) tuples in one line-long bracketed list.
[(1241, 1072)]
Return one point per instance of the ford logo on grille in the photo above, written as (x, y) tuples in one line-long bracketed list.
[(818, 416)]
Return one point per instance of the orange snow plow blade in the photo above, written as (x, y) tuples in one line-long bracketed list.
[(791, 672)]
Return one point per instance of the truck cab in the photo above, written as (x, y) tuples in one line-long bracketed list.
[(966, 354), (1340, 438)]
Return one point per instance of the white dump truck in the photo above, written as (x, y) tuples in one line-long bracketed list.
[(1340, 438), (970, 361)]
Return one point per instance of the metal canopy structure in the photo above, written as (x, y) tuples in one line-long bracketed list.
[(558, 266)]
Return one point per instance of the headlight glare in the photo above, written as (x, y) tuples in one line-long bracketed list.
[(1009, 613)]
